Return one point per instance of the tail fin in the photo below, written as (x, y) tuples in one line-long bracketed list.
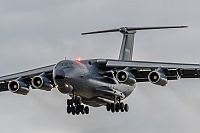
[(126, 51)]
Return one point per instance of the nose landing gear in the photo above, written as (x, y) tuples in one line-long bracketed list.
[(75, 106)]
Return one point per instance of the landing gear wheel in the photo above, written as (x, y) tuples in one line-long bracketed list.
[(126, 107), (73, 110), (78, 101), (75, 106), (73, 113), (117, 107), (112, 107), (82, 109), (86, 109), (108, 106), (83, 112), (68, 102), (77, 110), (121, 106), (69, 109)]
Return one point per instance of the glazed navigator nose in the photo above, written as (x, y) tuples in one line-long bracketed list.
[(59, 74)]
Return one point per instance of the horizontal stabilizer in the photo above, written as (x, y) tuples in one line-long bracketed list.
[(126, 29)]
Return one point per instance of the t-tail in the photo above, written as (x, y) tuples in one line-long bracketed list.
[(126, 52)]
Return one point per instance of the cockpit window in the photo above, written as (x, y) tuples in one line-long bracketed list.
[(59, 64), (65, 64)]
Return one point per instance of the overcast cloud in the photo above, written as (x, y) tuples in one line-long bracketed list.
[(42, 32)]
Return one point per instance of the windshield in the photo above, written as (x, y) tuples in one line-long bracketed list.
[(65, 64)]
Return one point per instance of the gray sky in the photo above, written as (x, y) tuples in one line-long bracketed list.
[(42, 32)]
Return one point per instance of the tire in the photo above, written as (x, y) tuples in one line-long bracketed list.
[(86, 109), (68, 102), (121, 106), (108, 106), (71, 102), (73, 113), (112, 107), (126, 107), (82, 109), (69, 109), (73, 110), (117, 107), (78, 101), (75, 100), (77, 110)]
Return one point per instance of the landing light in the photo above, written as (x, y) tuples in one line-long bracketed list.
[(56, 86), (66, 85)]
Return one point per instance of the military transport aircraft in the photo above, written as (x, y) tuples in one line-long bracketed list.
[(99, 82)]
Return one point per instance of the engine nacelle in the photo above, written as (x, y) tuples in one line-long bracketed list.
[(157, 78), (18, 87), (42, 83), (125, 77)]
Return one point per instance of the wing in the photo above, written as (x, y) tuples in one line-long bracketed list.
[(25, 76), (141, 69)]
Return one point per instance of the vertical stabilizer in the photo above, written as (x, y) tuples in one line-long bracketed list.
[(126, 51)]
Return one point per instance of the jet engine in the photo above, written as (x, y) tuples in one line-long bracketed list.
[(18, 87), (157, 78), (41, 82), (125, 77)]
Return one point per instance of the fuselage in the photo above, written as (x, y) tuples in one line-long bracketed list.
[(83, 78)]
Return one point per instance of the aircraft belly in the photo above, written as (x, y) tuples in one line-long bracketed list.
[(88, 88)]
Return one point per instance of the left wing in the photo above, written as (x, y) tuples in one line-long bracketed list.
[(29, 73), (25, 76), (142, 69)]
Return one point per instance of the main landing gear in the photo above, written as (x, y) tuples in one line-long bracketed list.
[(74, 106), (117, 106)]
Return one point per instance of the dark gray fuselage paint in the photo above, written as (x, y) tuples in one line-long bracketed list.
[(84, 78)]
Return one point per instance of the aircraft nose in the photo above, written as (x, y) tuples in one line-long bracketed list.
[(59, 74)]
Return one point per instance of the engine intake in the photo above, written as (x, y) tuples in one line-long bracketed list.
[(42, 83), (157, 78), (18, 87), (125, 77)]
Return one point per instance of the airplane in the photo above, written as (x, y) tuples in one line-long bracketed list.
[(99, 82)]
